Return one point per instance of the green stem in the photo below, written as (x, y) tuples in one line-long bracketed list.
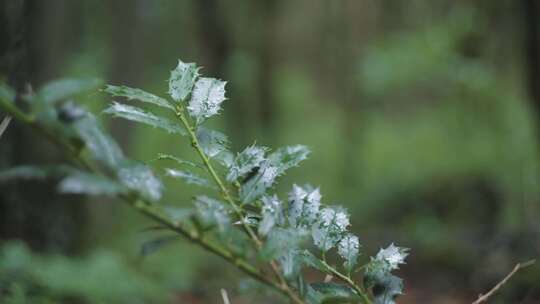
[(180, 113), (361, 292)]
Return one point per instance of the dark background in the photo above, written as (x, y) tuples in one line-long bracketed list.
[(423, 118)]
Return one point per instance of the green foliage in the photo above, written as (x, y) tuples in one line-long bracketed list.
[(139, 115), (244, 221), (137, 94), (101, 277)]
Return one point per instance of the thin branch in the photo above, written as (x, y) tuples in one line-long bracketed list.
[(485, 297), (225, 296), (4, 124)]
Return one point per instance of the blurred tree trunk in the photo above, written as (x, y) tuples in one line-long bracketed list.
[(127, 49), (265, 81), (343, 42), (216, 49), (32, 47), (531, 10)]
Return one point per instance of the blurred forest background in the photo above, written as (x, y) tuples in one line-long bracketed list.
[(423, 118)]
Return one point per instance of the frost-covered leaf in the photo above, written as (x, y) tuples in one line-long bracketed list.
[(387, 288), (212, 212), (246, 161), (309, 259), (141, 116), (101, 145), (288, 157), (177, 214), (182, 80), (333, 293), (179, 161), (24, 172), (393, 255), (290, 262), (269, 170), (154, 245), (189, 178), (212, 142), (331, 226), (279, 240), (348, 249), (304, 204), (70, 112), (257, 185), (206, 99), (140, 179), (272, 214), (79, 182), (65, 88), (137, 94)]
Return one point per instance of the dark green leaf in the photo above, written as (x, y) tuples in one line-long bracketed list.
[(333, 293), (387, 288), (154, 245), (24, 172), (7, 93), (66, 88)]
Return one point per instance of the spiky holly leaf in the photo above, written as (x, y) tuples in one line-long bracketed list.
[(246, 161), (137, 94), (272, 214), (387, 288), (257, 185), (212, 142), (393, 256), (208, 94), (304, 203), (348, 249), (279, 240), (141, 116), (212, 212), (331, 226), (309, 259), (287, 157), (182, 80)]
